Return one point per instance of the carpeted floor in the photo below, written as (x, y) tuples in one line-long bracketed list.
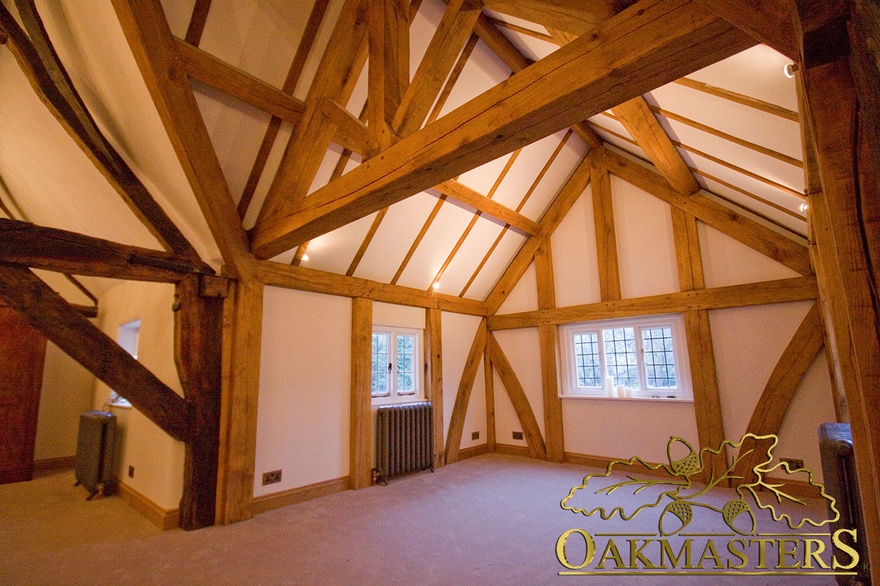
[(488, 520)]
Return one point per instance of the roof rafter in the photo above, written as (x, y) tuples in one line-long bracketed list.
[(151, 41), (571, 16), (40, 64), (561, 90)]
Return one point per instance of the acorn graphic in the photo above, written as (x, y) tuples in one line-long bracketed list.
[(734, 510), (687, 465), (679, 514)]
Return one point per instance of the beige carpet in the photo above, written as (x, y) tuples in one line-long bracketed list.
[(490, 520)]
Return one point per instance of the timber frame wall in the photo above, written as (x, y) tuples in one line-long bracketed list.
[(834, 43)]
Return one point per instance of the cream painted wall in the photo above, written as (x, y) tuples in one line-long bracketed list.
[(303, 410), (157, 458), (523, 352), (458, 335), (67, 391)]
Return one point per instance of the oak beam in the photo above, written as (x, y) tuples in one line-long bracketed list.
[(606, 233), (434, 378), (361, 439), (389, 65), (466, 195), (37, 58), (518, 398), (450, 37), (243, 86), (766, 292), (58, 250), (572, 16), (48, 313), (725, 219), (303, 279), (548, 339), (154, 49), (769, 21), (341, 63), (242, 337), (351, 133), (779, 392), (489, 381), (562, 89), (638, 119), (463, 396), (198, 333)]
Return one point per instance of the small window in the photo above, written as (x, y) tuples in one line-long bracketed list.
[(395, 353), (127, 336), (629, 358)]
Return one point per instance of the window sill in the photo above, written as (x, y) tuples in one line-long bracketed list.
[(638, 399), (383, 401)]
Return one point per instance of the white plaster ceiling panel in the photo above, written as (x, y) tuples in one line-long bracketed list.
[(396, 233), (755, 72), (421, 31), (482, 72), (91, 45), (495, 266), (260, 38), (271, 167), (645, 244), (50, 178), (482, 178), (236, 130), (555, 179), (525, 169), (768, 130), (471, 253), (446, 229), (797, 225), (334, 251)]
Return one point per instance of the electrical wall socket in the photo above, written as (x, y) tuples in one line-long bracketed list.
[(793, 463), (518, 435), (475, 435), (271, 477), (131, 471)]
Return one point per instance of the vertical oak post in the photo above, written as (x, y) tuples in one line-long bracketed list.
[(548, 338), (434, 379), (242, 333), (361, 453)]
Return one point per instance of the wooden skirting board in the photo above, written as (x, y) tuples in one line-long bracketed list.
[(61, 463), (276, 500), (472, 452), (513, 450), (164, 519)]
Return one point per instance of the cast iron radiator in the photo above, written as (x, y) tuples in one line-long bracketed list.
[(94, 451), (404, 439), (839, 474)]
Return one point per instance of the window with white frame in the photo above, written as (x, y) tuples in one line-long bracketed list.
[(127, 336), (643, 357), (396, 376)]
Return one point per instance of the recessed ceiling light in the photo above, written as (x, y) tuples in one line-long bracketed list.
[(790, 69), (804, 207), (304, 258), (436, 285)]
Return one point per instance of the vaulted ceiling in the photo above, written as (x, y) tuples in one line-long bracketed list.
[(248, 123)]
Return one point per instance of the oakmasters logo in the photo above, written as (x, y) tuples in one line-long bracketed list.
[(695, 493)]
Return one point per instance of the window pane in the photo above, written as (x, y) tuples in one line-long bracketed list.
[(406, 344), (380, 365), (586, 357), (620, 356), (659, 358)]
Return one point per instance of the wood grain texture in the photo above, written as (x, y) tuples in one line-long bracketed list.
[(388, 76), (49, 314), (466, 195), (462, 397), (769, 21), (434, 378), (361, 440), (562, 89), (303, 279), (762, 293), (548, 339), (37, 58), (537, 448), (768, 242), (771, 408), (58, 250), (154, 49), (489, 381), (603, 219), (242, 339), (198, 335), (572, 16)]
